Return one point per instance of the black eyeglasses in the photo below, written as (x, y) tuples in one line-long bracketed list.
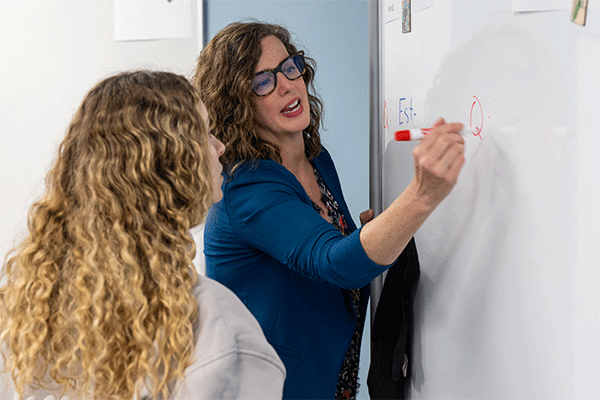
[(264, 82)]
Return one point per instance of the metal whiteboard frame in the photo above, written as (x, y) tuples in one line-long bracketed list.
[(375, 137), (202, 18)]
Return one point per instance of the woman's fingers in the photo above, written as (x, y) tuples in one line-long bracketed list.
[(436, 148), (438, 160), (366, 216), (440, 121)]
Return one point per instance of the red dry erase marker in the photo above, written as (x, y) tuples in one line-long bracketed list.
[(418, 134)]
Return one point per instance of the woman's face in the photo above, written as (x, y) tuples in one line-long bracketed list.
[(215, 150), (284, 111)]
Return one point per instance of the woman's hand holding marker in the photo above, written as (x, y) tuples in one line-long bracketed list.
[(438, 160)]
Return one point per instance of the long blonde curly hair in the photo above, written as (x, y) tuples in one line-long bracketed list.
[(224, 71), (99, 295)]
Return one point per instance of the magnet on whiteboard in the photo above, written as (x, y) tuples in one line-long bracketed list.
[(579, 11), (405, 16)]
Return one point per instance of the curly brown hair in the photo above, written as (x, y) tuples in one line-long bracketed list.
[(99, 295), (224, 72)]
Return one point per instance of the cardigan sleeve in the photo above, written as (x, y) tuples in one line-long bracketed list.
[(270, 211), (232, 358), (238, 374)]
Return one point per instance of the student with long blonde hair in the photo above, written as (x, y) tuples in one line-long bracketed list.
[(101, 299)]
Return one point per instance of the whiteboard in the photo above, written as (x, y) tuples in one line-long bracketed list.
[(507, 304)]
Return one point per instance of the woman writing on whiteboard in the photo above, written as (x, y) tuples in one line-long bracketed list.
[(282, 238), (101, 300)]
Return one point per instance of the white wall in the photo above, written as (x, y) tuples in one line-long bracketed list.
[(51, 54)]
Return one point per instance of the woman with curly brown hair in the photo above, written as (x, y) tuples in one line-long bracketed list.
[(101, 299), (282, 237)]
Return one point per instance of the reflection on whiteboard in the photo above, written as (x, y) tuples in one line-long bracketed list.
[(152, 19)]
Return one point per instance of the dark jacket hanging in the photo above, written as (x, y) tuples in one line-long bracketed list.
[(391, 335)]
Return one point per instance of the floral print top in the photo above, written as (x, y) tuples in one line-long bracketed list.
[(347, 386)]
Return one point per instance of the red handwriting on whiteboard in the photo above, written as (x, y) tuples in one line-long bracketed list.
[(386, 116), (476, 117)]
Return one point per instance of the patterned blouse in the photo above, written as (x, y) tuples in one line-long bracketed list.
[(347, 386)]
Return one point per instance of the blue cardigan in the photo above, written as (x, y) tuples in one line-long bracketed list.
[(290, 267)]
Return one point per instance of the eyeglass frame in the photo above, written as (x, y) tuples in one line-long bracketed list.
[(277, 69)]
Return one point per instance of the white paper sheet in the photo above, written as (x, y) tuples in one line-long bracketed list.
[(152, 19)]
